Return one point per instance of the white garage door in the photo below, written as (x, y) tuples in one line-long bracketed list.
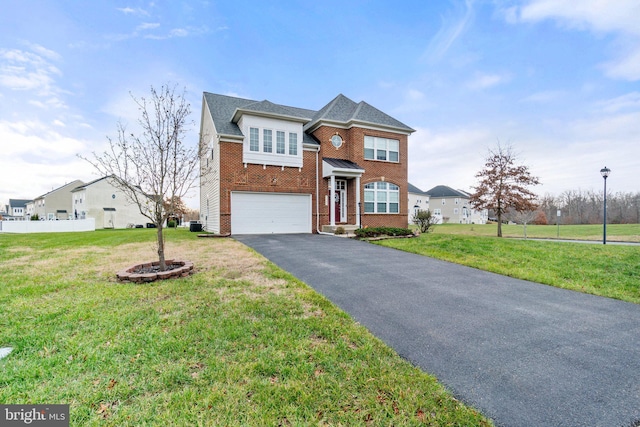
[(266, 213)]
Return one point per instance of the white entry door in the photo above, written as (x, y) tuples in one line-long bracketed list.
[(341, 200)]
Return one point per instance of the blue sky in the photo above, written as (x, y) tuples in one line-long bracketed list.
[(559, 80)]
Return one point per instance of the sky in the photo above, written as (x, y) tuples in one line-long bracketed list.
[(558, 80)]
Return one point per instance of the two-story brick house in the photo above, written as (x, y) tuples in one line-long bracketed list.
[(271, 168)]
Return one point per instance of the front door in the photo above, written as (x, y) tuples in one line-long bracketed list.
[(341, 200)]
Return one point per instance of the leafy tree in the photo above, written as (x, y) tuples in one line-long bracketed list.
[(424, 220), (155, 169), (503, 185)]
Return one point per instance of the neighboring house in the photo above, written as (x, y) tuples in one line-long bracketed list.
[(418, 201), (452, 206), (271, 168), (56, 204), (104, 202), (30, 207), (17, 209)]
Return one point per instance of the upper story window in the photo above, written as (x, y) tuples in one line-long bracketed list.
[(280, 142), (271, 142), (381, 197), (267, 143), (384, 149), (293, 144), (254, 139)]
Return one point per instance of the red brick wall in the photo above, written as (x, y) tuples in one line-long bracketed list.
[(235, 177), (353, 149)]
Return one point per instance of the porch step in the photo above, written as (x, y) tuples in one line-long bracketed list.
[(348, 228)]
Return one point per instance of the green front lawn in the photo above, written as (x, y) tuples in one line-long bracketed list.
[(239, 343), (606, 270), (615, 232)]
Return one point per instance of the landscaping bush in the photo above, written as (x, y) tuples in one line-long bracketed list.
[(425, 220), (35, 217), (382, 231), (172, 224), (339, 230)]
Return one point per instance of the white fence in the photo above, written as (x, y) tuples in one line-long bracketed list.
[(88, 224)]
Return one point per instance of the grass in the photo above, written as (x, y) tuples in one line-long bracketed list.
[(611, 271), (615, 232), (239, 343)]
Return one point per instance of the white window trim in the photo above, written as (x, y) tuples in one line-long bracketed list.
[(388, 191), (271, 158), (376, 140)]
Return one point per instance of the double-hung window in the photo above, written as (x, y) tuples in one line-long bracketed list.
[(279, 142), (381, 197), (254, 139), (293, 144), (267, 140), (384, 149)]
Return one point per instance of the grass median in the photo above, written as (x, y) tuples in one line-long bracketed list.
[(239, 343)]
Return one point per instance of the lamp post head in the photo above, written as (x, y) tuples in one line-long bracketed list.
[(605, 172)]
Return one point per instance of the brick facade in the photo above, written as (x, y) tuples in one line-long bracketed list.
[(234, 176), (375, 170), (227, 121)]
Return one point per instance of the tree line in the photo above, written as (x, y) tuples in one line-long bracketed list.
[(587, 207)]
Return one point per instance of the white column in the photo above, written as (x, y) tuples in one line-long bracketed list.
[(332, 201), (357, 200)]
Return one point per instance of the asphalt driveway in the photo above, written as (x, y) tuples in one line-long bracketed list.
[(524, 354)]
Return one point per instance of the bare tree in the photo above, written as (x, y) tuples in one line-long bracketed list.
[(155, 169), (503, 185), (523, 217)]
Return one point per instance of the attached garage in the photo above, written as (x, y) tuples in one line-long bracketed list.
[(270, 213)]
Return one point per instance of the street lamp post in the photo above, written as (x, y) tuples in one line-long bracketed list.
[(605, 173)]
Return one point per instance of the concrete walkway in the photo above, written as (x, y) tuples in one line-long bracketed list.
[(524, 354)]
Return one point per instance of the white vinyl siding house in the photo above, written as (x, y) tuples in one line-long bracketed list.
[(105, 203)]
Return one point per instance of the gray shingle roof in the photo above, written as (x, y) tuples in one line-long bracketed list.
[(341, 109), (345, 111), (19, 203), (341, 163), (415, 190), (223, 109), (444, 191)]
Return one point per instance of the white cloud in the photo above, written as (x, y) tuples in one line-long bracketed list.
[(148, 26), (484, 81), (620, 17), (448, 157), (34, 138), (624, 102), (449, 32), (595, 15), (626, 67), (132, 11), (32, 72), (544, 96)]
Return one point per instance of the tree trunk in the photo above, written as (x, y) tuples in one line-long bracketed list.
[(499, 224), (163, 266)]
